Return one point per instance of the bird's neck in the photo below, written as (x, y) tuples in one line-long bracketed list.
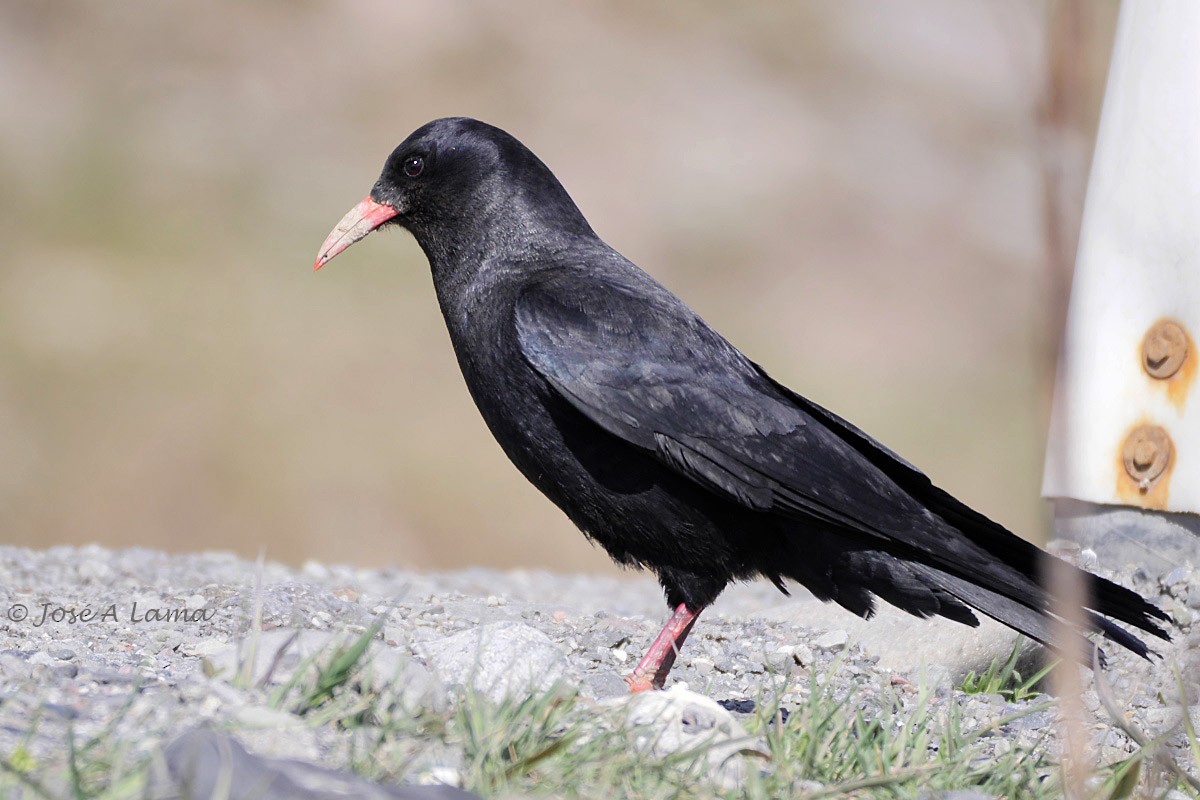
[(461, 255), (502, 221)]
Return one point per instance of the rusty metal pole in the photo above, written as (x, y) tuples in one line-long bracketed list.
[(1123, 460)]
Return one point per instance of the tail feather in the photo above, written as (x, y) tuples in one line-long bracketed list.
[(1019, 601), (1036, 624), (1106, 597)]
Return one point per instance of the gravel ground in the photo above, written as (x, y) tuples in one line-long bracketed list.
[(148, 642)]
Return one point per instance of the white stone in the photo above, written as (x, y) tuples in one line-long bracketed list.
[(677, 720), (498, 660)]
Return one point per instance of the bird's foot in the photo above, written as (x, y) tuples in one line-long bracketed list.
[(641, 683)]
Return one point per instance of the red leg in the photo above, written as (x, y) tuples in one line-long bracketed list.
[(651, 671)]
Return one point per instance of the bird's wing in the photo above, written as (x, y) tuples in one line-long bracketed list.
[(645, 368)]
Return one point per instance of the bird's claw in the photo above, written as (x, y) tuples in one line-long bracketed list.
[(640, 683)]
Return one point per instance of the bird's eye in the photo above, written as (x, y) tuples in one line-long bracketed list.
[(414, 166)]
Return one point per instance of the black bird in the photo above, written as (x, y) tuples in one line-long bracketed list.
[(664, 443)]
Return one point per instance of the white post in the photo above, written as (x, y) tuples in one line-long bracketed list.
[(1123, 461)]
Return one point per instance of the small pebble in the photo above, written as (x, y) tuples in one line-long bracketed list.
[(802, 655), (832, 641), (95, 571)]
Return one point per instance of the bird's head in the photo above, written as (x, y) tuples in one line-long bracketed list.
[(459, 181)]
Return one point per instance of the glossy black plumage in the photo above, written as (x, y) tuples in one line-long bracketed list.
[(659, 439)]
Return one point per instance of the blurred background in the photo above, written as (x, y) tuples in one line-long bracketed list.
[(877, 202)]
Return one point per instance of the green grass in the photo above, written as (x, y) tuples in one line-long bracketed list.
[(874, 742), (889, 748), (1002, 678)]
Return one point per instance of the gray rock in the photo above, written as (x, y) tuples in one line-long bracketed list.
[(1177, 578), (66, 670), (275, 733), (413, 685), (202, 763), (41, 660), (264, 717), (778, 662), (61, 711), (280, 650), (14, 664), (832, 641), (802, 655), (1157, 541), (94, 570), (939, 648), (603, 684), (205, 648), (1180, 613), (497, 660), (195, 601)]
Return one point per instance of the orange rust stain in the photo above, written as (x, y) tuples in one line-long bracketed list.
[(1155, 495), (1178, 386)]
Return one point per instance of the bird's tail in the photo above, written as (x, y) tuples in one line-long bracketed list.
[(1044, 625), (860, 571), (1102, 599)]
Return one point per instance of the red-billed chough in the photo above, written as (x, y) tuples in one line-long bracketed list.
[(664, 443)]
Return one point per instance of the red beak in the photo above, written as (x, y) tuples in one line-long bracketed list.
[(362, 219)]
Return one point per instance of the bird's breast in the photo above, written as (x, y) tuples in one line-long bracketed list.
[(621, 495)]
